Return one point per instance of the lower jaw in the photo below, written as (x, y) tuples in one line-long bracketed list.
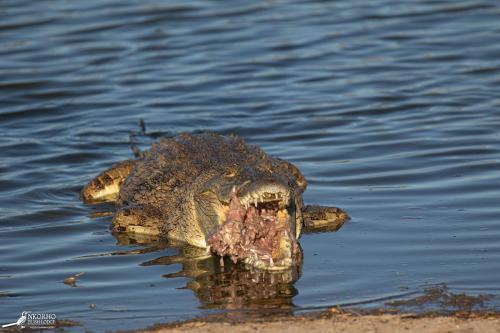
[(254, 256), (281, 265), (290, 256)]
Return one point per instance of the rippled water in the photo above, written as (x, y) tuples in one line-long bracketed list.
[(390, 109)]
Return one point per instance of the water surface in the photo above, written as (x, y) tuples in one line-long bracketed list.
[(390, 109)]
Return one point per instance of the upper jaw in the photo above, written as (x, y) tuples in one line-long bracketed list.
[(264, 192)]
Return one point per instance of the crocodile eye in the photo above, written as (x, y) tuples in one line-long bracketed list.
[(230, 173)]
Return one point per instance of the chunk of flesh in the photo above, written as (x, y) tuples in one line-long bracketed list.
[(257, 232)]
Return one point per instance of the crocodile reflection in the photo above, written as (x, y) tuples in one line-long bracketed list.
[(218, 283)]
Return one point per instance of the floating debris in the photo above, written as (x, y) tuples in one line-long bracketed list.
[(71, 281)]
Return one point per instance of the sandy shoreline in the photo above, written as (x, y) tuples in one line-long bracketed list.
[(335, 321)]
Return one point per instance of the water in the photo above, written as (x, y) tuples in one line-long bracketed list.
[(390, 109)]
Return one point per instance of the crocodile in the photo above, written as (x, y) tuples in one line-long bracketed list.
[(217, 193)]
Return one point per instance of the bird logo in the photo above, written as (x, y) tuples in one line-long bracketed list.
[(20, 322)]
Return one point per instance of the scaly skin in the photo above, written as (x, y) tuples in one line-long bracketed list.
[(182, 188)]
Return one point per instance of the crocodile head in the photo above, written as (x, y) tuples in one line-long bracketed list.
[(257, 205)]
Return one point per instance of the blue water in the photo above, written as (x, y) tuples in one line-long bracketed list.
[(390, 109)]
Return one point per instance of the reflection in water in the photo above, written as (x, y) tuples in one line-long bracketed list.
[(219, 283)]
